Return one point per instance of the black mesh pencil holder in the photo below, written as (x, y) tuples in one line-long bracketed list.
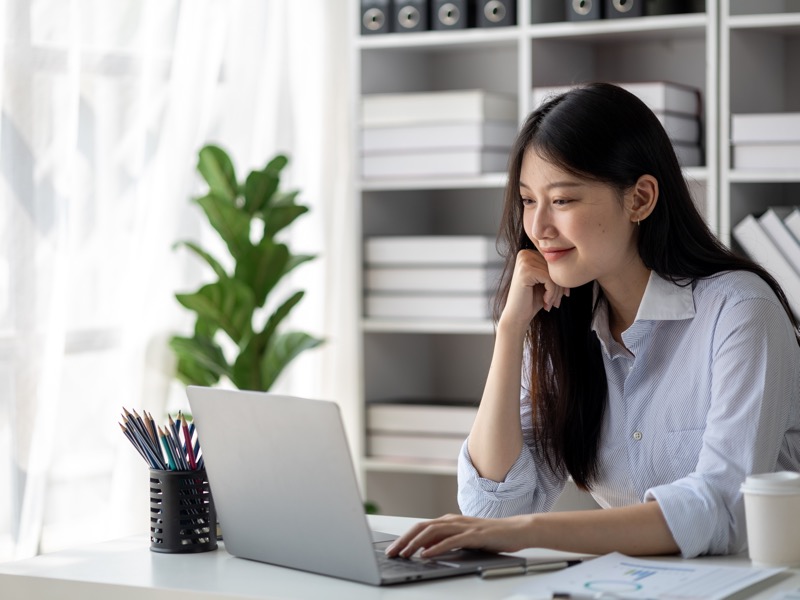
[(182, 515)]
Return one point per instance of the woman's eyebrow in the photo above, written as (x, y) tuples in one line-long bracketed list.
[(555, 184)]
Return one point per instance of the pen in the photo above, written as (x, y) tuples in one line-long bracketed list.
[(523, 569)]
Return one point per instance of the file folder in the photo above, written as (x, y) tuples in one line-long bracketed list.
[(620, 9), (452, 14), (410, 15), (375, 16), (584, 10), (496, 13)]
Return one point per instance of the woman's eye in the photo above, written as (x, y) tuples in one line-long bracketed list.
[(527, 202), (561, 201)]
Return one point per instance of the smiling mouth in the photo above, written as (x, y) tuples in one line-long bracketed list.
[(555, 254)]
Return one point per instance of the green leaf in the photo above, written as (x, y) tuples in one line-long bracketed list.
[(202, 352), (212, 262), (246, 371), (280, 314), (228, 304), (262, 267), (205, 328), (198, 363), (280, 351), (278, 217), (277, 164), (217, 169), (285, 198), (258, 189), (229, 221), (295, 260)]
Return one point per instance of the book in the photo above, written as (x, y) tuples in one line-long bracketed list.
[(380, 110), (461, 163), (659, 96), (415, 447), (427, 306), (766, 156), (433, 279), (765, 127), (464, 250), (418, 416), (792, 222), (760, 247), (489, 134), (680, 128), (772, 223)]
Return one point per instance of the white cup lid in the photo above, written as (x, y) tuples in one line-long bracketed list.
[(781, 482)]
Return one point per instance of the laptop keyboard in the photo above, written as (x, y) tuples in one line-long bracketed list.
[(399, 566)]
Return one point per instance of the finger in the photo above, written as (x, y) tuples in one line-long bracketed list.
[(433, 534), (453, 542), (402, 542)]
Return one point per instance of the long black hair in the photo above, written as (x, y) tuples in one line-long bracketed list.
[(605, 134)]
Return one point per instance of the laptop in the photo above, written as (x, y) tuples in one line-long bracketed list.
[(286, 494)]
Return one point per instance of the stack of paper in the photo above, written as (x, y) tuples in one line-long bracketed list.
[(678, 107), (436, 134), (765, 141), (430, 277), (772, 241), (416, 429)]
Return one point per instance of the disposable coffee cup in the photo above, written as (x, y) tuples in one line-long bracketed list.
[(772, 513)]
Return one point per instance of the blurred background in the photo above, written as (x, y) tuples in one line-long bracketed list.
[(105, 105)]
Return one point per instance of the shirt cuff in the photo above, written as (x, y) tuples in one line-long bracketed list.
[(520, 480), (695, 516)]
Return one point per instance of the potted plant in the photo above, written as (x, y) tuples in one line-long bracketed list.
[(235, 335)]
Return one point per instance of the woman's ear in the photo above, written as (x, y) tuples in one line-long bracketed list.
[(642, 198)]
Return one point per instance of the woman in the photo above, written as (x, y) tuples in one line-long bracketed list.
[(659, 369)]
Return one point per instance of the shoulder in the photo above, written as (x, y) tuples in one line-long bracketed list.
[(732, 287)]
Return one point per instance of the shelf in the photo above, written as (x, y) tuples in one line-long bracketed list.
[(427, 326), (431, 40), (771, 176), (670, 27), (488, 181), (695, 173), (786, 23), (398, 466)]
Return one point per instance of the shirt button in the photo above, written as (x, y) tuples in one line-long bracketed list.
[(637, 435)]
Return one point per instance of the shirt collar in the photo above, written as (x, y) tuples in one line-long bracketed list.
[(663, 300)]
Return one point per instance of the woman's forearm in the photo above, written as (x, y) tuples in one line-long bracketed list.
[(495, 440), (634, 530)]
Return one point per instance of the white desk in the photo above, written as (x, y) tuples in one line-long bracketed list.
[(126, 570)]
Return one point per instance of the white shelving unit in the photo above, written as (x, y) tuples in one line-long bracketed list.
[(451, 358), (759, 73)]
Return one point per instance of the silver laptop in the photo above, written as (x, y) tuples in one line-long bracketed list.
[(285, 491)]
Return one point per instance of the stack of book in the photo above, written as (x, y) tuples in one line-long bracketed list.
[(430, 277), (765, 141), (677, 106), (772, 241), (436, 134), (419, 430)]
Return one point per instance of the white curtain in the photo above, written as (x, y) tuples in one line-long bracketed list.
[(103, 107)]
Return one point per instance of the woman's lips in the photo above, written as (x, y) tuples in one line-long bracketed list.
[(554, 254)]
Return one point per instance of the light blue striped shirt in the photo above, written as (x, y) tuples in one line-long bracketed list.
[(707, 392)]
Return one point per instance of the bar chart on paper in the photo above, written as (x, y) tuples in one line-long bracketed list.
[(621, 577)]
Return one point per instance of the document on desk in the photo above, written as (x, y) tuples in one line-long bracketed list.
[(619, 577)]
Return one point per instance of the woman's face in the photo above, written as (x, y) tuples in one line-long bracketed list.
[(581, 227)]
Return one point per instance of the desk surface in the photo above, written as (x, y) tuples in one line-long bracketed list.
[(126, 569)]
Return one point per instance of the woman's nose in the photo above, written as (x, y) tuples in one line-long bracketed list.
[(542, 225)]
